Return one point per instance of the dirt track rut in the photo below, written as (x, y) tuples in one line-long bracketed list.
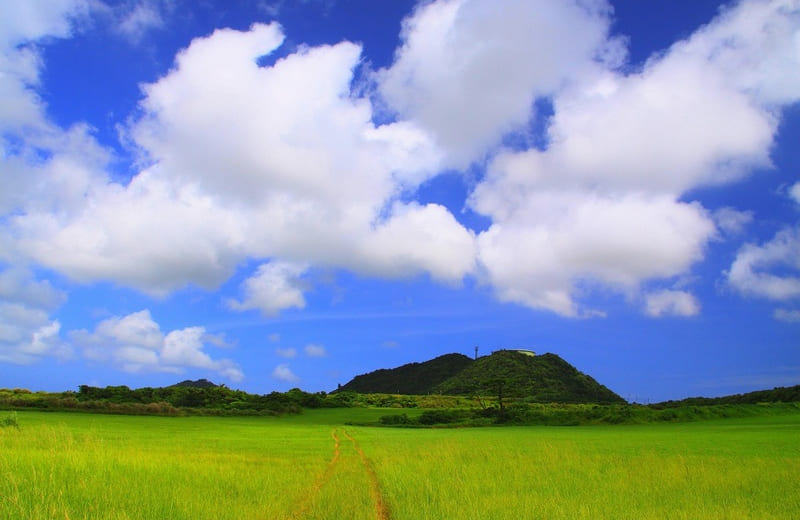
[(381, 505)]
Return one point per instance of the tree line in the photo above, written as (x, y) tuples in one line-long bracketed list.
[(171, 400)]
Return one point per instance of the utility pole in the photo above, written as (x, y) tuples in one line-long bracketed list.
[(476, 351)]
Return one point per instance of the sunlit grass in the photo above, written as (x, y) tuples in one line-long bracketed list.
[(705, 470), (148, 467), (118, 467)]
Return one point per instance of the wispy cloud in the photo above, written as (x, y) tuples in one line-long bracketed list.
[(135, 20), (287, 353), (315, 351), (283, 373), (787, 315), (671, 303)]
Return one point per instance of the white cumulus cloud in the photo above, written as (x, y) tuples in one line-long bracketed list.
[(468, 71), (285, 165), (604, 200), (276, 162), (770, 270), (136, 343), (275, 286)]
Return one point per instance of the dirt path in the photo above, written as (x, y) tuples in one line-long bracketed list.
[(381, 505), (305, 503)]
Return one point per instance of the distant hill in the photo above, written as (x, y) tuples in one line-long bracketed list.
[(781, 394), (200, 383), (410, 379), (543, 378)]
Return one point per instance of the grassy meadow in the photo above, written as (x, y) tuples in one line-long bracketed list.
[(314, 466)]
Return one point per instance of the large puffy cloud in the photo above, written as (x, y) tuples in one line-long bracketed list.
[(284, 162), (150, 235), (604, 201), (248, 161), (275, 286), (754, 44), (135, 343), (40, 166), (469, 70), (537, 254), (677, 125)]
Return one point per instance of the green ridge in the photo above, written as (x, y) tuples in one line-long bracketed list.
[(409, 379), (543, 378)]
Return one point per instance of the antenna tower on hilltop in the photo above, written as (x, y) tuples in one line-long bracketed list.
[(476, 351)]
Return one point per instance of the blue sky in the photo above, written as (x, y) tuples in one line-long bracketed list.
[(277, 194)]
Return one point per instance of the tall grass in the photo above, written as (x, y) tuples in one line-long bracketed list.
[(118, 467), (742, 469), (79, 466)]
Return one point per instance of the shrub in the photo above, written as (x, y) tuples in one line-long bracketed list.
[(10, 421), (394, 420), (440, 417)]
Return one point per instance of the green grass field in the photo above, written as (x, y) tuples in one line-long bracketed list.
[(71, 466)]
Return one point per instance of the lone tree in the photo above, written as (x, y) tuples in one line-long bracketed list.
[(493, 385), (497, 384)]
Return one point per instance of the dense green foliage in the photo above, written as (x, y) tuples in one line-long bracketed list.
[(178, 399), (503, 374), (542, 379), (504, 388), (556, 414), (411, 379)]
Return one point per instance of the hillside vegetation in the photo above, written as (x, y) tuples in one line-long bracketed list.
[(503, 374), (542, 379), (410, 379), (200, 397)]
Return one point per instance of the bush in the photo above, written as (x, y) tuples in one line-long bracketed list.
[(10, 421), (395, 420), (440, 417)]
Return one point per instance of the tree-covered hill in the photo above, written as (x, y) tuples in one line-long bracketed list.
[(544, 378), (410, 379), (200, 383)]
